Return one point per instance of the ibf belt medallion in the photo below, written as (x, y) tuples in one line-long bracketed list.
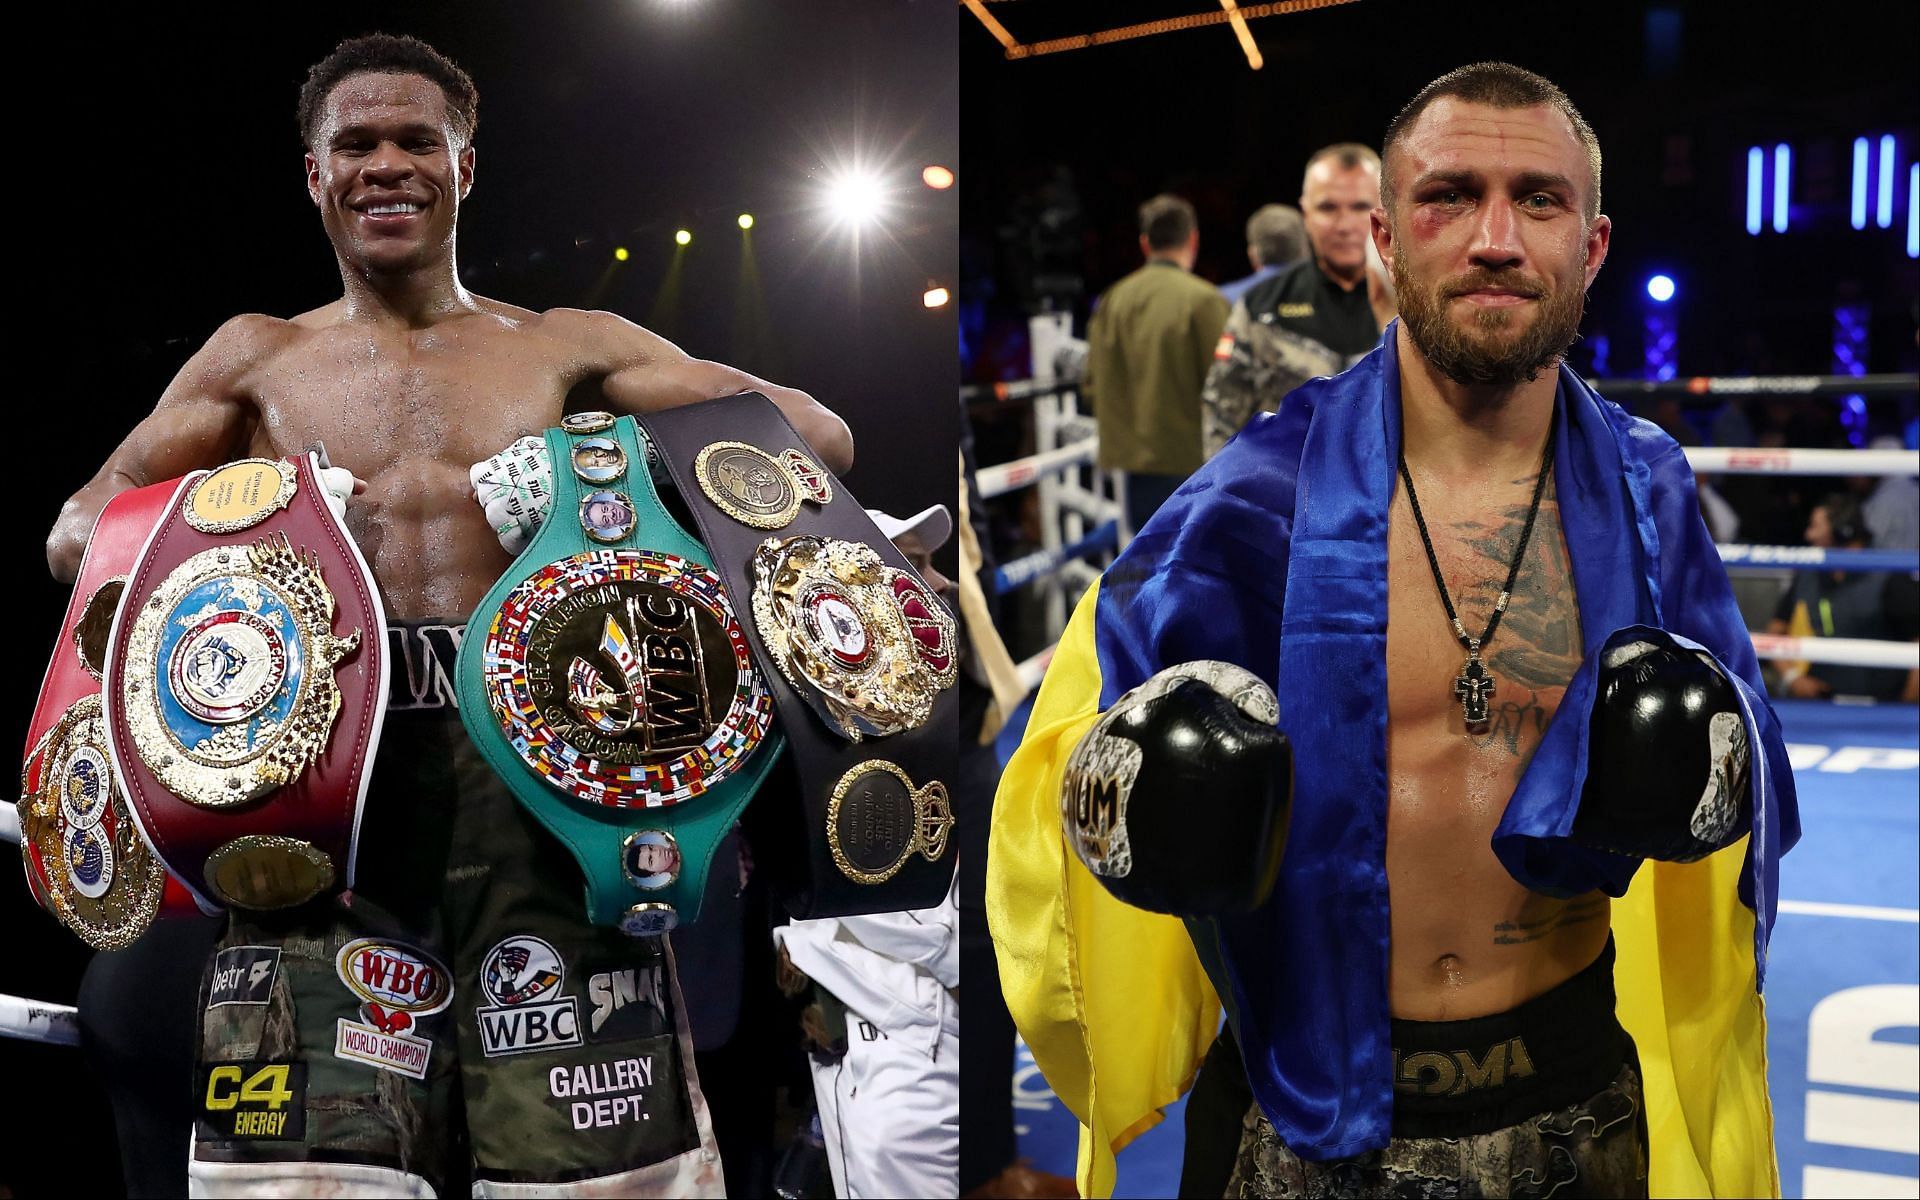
[(623, 678), (866, 644), (877, 819), (98, 874), (229, 688)]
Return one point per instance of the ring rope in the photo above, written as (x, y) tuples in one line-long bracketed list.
[(33, 1021), (1738, 557)]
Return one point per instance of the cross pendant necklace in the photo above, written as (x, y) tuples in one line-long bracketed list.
[(1473, 687)]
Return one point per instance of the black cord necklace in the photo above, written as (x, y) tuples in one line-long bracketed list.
[(1473, 687)]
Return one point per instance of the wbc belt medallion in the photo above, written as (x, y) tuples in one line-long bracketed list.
[(229, 687), (865, 643), (623, 678)]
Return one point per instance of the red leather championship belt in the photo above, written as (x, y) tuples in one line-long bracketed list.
[(86, 860), (245, 686)]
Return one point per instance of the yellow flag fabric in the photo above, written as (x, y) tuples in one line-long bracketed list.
[(1111, 999), (1118, 1012), (1685, 976)]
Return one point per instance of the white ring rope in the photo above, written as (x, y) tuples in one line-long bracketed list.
[(33, 1021), (1728, 460), (1841, 652), (1023, 472)]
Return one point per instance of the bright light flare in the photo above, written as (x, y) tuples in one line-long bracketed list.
[(681, 237), (746, 220), (937, 177), (855, 198), (620, 254), (935, 297), (1660, 288)]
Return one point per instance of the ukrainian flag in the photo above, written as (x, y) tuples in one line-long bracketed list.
[(1273, 557)]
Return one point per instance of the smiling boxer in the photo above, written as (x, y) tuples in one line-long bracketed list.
[(375, 1028)]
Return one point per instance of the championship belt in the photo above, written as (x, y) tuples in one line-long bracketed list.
[(860, 654), (607, 679), (87, 862), (246, 682)]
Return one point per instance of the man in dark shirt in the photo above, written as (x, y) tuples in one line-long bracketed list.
[(1856, 604), (1313, 317), (1276, 239)]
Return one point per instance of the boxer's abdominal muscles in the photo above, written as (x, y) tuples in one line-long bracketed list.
[(427, 541), (1467, 939)]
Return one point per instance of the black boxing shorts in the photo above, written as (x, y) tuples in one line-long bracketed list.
[(1540, 1100)]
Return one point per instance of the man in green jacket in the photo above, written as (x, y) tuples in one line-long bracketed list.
[(1150, 342)]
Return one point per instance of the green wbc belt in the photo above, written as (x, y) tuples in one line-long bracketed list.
[(608, 679)]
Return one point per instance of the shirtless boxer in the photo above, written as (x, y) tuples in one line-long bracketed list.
[(407, 380), (1417, 968)]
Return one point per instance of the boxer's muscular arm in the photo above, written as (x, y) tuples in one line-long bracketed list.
[(203, 419), (646, 372)]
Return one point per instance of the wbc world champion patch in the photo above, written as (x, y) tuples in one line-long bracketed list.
[(623, 678)]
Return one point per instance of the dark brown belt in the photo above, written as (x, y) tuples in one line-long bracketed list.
[(874, 811)]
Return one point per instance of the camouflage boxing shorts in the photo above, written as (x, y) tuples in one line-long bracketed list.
[(454, 1022), (1543, 1100)]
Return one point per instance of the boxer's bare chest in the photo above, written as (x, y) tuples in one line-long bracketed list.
[(409, 412), (386, 399), (1459, 921)]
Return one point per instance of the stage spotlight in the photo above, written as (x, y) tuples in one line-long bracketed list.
[(1660, 288), (746, 220), (620, 254), (937, 177), (854, 197), (935, 297), (681, 237)]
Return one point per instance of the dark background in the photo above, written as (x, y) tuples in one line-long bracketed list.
[(159, 189), (1062, 148)]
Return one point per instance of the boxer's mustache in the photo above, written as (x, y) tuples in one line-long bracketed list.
[(1481, 281)]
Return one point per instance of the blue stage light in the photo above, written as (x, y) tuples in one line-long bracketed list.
[(1883, 213), (1782, 174), (1661, 288), (1859, 183)]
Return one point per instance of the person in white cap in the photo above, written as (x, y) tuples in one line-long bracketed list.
[(886, 1061)]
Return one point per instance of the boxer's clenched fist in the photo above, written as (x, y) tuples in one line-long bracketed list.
[(1667, 756), (515, 487), (1177, 800)]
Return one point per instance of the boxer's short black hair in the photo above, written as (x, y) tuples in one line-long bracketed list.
[(1498, 85), (386, 53)]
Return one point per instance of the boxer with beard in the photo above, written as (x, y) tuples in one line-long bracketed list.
[(407, 380), (1387, 704)]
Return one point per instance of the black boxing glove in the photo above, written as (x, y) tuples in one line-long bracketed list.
[(1667, 756), (1177, 800)]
